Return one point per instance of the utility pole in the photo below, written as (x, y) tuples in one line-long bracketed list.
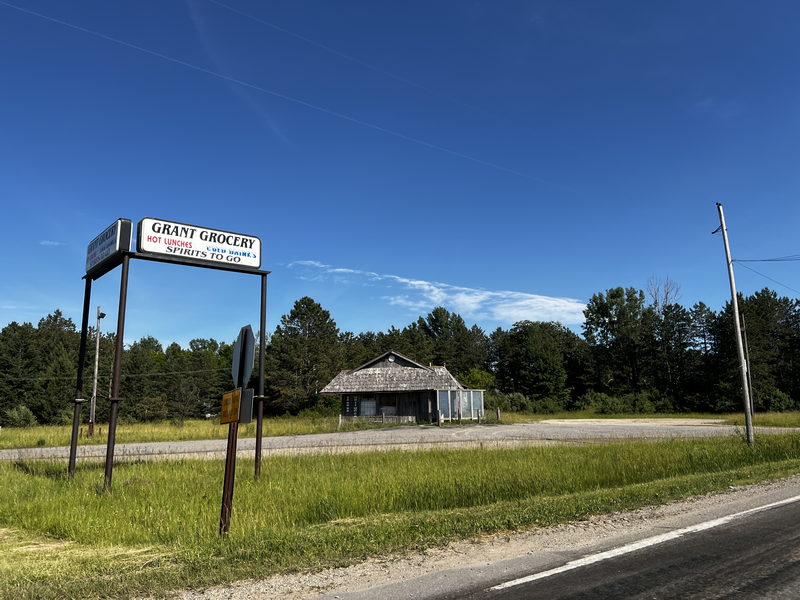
[(747, 360), (93, 401), (748, 419)]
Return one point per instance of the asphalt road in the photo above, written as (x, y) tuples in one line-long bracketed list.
[(748, 548), (756, 556), (566, 431)]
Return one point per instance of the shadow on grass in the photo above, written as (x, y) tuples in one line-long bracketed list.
[(54, 471)]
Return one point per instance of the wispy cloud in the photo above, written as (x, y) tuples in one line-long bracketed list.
[(340, 54), (10, 305), (51, 243), (417, 295)]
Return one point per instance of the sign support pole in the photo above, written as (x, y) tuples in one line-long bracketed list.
[(230, 475), (230, 454), (261, 360), (115, 378), (168, 241), (79, 400)]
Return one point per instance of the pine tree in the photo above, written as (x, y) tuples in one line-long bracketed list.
[(303, 356)]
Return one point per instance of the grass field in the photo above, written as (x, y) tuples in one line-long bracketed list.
[(157, 530), (516, 417), (193, 429), (772, 419)]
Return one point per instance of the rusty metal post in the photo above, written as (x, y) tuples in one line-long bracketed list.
[(79, 400), (230, 458), (259, 434), (116, 374), (261, 361), (230, 475)]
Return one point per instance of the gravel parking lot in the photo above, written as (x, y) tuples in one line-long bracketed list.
[(564, 431)]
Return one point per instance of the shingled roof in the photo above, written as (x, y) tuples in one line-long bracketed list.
[(391, 372)]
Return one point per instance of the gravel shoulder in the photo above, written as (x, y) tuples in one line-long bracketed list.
[(460, 563)]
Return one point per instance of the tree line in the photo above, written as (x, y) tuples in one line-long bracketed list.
[(637, 352)]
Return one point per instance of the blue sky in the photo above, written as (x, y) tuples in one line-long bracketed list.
[(504, 159)]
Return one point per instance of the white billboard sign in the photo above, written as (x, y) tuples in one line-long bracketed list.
[(189, 243), (105, 251)]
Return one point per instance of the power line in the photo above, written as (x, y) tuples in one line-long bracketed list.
[(770, 278), (124, 375), (280, 95), (133, 375), (344, 55), (791, 257)]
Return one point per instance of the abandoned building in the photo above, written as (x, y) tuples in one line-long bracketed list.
[(393, 387)]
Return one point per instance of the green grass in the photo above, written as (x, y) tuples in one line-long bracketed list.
[(513, 417), (773, 419), (192, 429), (157, 530)]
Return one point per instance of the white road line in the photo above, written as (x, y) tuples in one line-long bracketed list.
[(652, 541)]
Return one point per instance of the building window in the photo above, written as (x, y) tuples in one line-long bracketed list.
[(368, 407)]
